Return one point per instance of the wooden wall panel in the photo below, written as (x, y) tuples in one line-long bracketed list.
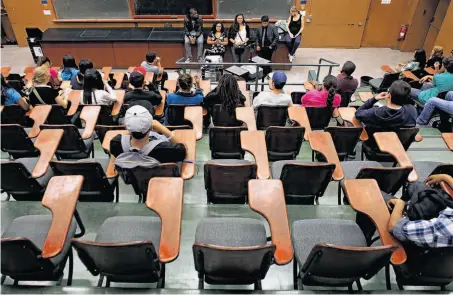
[(434, 29), (129, 54), (445, 37), (101, 54), (168, 52)]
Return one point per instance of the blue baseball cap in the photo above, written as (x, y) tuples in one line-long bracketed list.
[(279, 77)]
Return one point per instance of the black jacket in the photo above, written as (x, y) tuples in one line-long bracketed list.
[(272, 36), (233, 31), (189, 27)]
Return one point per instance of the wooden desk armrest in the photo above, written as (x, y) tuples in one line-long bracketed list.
[(246, 115), (149, 77), (247, 99), (348, 115), (430, 71), (106, 71), (299, 114), (365, 196), (29, 78), (118, 76), (65, 85), (5, 71), (308, 85), (387, 69), (388, 142), (160, 108), (60, 198), (119, 102), (29, 70), (47, 144), (418, 137), (254, 143), (242, 86), (364, 96), (322, 142), (448, 138), (165, 197), (74, 98), (39, 116), (90, 115), (194, 114), (268, 199), (170, 85), (130, 69), (205, 85), (187, 137), (109, 135), (410, 75)]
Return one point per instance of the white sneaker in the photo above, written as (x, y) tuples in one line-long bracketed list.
[(291, 58), (188, 59)]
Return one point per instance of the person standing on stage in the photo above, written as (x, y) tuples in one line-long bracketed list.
[(239, 35), (217, 39), (294, 26), (193, 30), (266, 41)]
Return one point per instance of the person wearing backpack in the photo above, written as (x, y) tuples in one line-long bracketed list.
[(148, 137), (427, 219)]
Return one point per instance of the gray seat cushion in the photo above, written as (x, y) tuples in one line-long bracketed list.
[(425, 168), (307, 233), (376, 83), (227, 161), (30, 164), (277, 167), (121, 229), (35, 228), (89, 141), (231, 232)]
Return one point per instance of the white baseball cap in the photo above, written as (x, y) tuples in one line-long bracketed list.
[(138, 119)]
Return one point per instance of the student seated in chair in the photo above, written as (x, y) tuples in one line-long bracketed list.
[(11, 96), (327, 96), (435, 103), (137, 80), (139, 122), (346, 82), (429, 225), (152, 64), (42, 93), (95, 91), (275, 97), (77, 80), (397, 114), (418, 63), (440, 83)]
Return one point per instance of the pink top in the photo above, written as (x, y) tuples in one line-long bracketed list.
[(53, 73), (315, 98)]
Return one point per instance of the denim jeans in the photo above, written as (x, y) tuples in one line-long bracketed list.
[(415, 92), (238, 57), (188, 46), (434, 103), (292, 44)]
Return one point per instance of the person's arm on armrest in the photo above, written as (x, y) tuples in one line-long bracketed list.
[(397, 213), (159, 128), (367, 108), (438, 178), (23, 104)]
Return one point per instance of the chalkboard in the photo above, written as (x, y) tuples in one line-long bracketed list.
[(94, 9), (278, 9), (172, 7)]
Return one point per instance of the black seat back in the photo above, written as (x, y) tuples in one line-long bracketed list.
[(319, 117), (335, 265), (223, 118), (13, 114), (390, 180), (303, 183), (71, 142), (443, 169), (57, 115), (17, 180), (101, 130), (406, 135), (16, 142), (228, 183), (225, 142), (388, 81), (125, 262), (244, 265), (105, 115), (271, 116), (296, 97), (345, 139), (176, 115), (283, 143), (96, 187), (345, 98)]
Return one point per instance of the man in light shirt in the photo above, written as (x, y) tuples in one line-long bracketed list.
[(275, 97)]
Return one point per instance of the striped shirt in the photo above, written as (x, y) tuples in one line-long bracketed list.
[(434, 233)]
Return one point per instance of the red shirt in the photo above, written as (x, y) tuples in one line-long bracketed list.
[(315, 98)]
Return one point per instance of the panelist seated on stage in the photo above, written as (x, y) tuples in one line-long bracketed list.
[(77, 80), (11, 96), (152, 64), (327, 96), (193, 33), (95, 90), (139, 122), (137, 80), (275, 97), (398, 113), (43, 93)]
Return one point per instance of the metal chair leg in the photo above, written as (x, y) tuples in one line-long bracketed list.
[(162, 276), (3, 279), (80, 224), (442, 288), (71, 267), (16, 283), (200, 281), (339, 193), (359, 285), (107, 283), (101, 280), (400, 286), (387, 277), (117, 191), (350, 289), (295, 274), (258, 285), (312, 156), (8, 196)]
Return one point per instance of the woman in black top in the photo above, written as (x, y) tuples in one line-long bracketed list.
[(437, 55), (77, 80), (226, 94), (217, 39), (294, 26), (239, 35), (42, 93)]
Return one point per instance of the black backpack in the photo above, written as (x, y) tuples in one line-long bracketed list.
[(427, 204)]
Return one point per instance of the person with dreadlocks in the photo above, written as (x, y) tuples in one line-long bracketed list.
[(226, 94)]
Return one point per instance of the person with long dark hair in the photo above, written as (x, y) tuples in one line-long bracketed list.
[(294, 27), (11, 96), (193, 33), (418, 63), (239, 35), (326, 97), (70, 68), (77, 80), (95, 91), (227, 94), (217, 39)]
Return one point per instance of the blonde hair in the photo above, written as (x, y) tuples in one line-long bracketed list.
[(41, 75), (437, 50)]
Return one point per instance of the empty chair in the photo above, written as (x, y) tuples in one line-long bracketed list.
[(96, 186), (334, 253), (319, 117), (37, 247), (296, 97), (72, 145), (283, 143), (271, 116), (303, 182), (379, 85), (225, 142), (345, 140), (135, 249), (14, 114), (223, 118), (226, 181), (15, 141), (371, 151)]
